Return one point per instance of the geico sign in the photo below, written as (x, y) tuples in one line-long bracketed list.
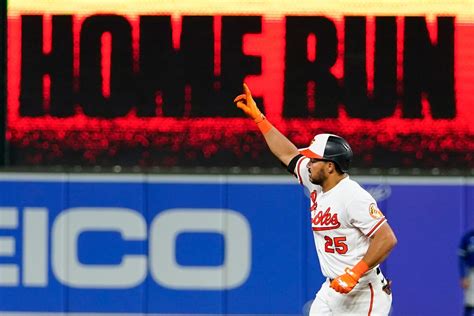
[(132, 270)]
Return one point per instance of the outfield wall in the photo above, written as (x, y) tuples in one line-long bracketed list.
[(151, 244)]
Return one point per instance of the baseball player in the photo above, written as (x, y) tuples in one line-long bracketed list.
[(466, 265), (351, 234)]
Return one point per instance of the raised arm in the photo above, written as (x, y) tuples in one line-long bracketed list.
[(279, 145)]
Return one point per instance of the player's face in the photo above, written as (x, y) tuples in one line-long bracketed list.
[(316, 169)]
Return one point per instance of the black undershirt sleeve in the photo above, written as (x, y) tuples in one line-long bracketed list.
[(292, 165)]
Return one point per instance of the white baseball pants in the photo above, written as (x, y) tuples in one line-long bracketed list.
[(365, 299)]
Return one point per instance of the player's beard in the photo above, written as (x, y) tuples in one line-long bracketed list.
[(317, 178)]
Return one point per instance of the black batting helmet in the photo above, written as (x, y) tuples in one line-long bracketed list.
[(330, 147)]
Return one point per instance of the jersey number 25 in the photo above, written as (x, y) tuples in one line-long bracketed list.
[(335, 244)]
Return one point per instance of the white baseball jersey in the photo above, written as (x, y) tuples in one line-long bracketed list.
[(343, 219)]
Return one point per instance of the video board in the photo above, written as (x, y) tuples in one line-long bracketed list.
[(116, 82)]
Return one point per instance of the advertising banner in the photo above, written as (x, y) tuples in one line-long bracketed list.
[(208, 245)]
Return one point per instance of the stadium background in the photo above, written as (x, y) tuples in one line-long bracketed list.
[(118, 113)]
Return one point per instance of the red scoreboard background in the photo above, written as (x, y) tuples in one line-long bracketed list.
[(151, 83)]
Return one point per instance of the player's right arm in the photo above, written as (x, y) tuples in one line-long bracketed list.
[(279, 145)]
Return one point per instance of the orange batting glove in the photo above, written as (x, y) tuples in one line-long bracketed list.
[(246, 103), (346, 282)]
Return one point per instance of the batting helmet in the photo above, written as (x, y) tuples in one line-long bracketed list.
[(330, 147)]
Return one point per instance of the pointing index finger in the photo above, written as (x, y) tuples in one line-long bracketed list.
[(247, 91)]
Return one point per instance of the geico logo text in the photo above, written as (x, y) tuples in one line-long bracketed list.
[(62, 250)]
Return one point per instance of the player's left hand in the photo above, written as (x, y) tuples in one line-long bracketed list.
[(246, 103), (346, 282)]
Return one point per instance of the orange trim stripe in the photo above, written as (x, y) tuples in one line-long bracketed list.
[(298, 170), (310, 154), (371, 299), (383, 220)]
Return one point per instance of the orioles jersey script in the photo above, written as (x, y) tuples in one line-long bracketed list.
[(342, 219)]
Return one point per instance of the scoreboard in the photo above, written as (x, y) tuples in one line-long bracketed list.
[(153, 83)]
